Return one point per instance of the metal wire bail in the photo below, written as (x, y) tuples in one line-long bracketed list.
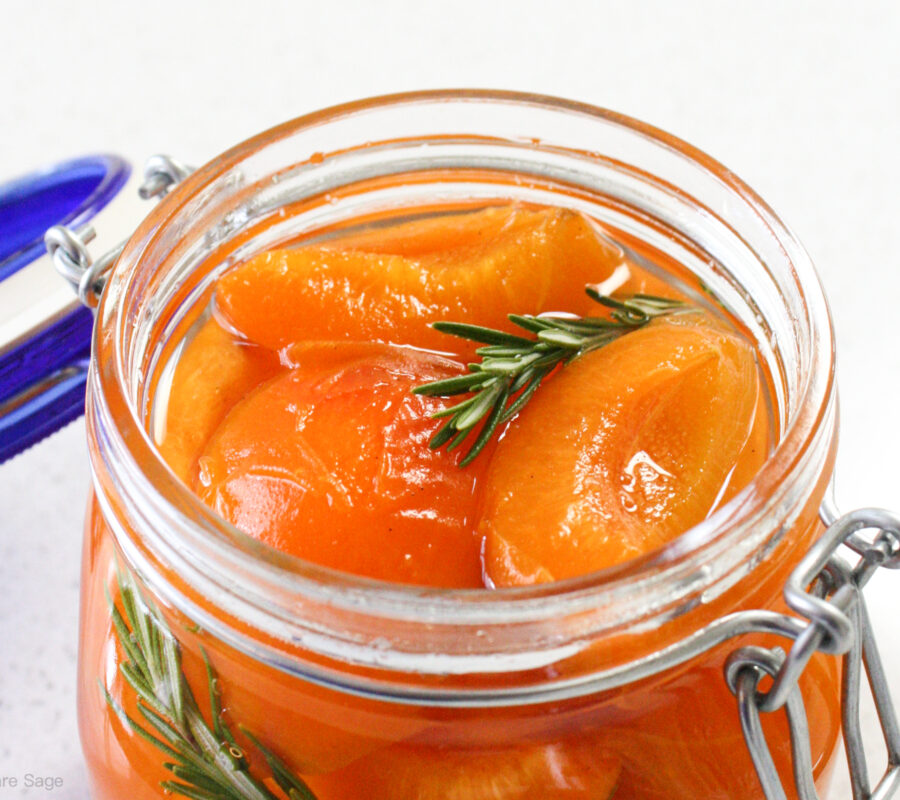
[(68, 248), (69, 253), (161, 173), (826, 591)]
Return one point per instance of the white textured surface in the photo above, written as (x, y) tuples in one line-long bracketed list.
[(800, 99)]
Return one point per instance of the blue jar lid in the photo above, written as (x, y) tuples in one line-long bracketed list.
[(45, 346)]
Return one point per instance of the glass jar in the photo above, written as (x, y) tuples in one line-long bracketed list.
[(609, 682)]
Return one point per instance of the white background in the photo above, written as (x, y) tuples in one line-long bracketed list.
[(801, 99)]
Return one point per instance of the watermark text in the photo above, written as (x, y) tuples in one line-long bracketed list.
[(31, 780)]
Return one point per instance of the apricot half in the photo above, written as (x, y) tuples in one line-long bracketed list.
[(387, 286), (330, 462), (214, 372), (626, 448)]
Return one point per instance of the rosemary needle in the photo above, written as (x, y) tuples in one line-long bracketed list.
[(206, 762), (512, 367)]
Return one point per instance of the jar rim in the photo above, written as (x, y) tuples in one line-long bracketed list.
[(128, 438)]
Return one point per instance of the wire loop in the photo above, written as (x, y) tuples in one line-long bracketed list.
[(68, 248), (828, 593)]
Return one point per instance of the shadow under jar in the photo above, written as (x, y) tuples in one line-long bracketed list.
[(574, 689)]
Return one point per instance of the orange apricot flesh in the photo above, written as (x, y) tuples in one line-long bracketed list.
[(213, 373), (331, 463), (623, 450), (557, 771), (389, 287), (438, 236)]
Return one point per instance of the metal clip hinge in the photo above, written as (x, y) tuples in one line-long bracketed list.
[(826, 591), (68, 248)]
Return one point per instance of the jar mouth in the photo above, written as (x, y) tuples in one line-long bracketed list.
[(240, 566)]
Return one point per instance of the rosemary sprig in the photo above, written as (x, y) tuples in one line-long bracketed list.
[(206, 762), (512, 367)]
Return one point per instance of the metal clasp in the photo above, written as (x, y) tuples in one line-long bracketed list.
[(68, 248), (825, 590)]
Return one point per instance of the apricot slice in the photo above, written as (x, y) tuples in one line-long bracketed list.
[(484, 266), (331, 463), (626, 448), (213, 373), (555, 771), (437, 234)]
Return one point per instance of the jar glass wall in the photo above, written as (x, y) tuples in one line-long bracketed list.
[(370, 689)]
